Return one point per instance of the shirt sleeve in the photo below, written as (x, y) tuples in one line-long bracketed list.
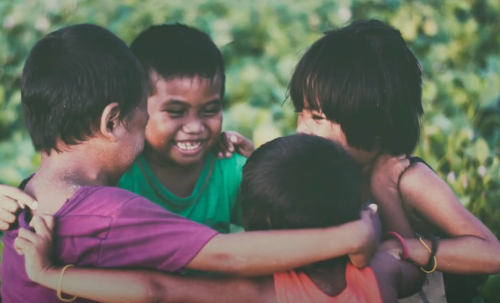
[(147, 236)]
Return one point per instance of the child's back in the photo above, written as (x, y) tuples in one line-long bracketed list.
[(305, 181), (361, 286)]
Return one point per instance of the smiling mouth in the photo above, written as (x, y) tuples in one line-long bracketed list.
[(188, 146)]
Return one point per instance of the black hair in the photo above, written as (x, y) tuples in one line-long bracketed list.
[(299, 181), (70, 76), (364, 77), (177, 50)]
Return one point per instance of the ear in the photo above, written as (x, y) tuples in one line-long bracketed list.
[(110, 122)]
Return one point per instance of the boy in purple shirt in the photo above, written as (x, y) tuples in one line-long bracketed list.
[(84, 101)]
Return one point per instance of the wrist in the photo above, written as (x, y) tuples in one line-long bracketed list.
[(364, 239), (417, 252), (48, 278)]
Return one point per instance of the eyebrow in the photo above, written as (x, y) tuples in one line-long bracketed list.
[(216, 101)]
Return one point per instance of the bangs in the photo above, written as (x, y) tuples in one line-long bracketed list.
[(336, 76)]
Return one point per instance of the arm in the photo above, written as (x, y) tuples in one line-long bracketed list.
[(471, 247), (263, 253), (110, 286), (144, 235), (396, 278), (118, 286), (385, 178)]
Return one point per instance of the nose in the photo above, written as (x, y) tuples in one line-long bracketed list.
[(301, 126), (193, 127)]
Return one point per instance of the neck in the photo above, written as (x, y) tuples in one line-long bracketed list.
[(61, 175), (329, 279)]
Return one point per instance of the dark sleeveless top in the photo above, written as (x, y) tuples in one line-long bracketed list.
[(458, 288)]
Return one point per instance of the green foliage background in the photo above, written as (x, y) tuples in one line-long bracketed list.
[(456, 41)]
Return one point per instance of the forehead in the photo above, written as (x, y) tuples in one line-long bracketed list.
[(187, 88), (307, 106)]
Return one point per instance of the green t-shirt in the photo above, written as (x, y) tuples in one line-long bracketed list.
[(213, 201)]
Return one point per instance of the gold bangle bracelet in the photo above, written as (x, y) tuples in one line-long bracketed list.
[(435, 260), (59, 289)]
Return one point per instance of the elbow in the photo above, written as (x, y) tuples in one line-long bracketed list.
[(495, 268), (157, 292), (491, 266), (228, 264)]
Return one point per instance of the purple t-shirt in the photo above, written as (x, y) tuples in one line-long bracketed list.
[(106, 227)]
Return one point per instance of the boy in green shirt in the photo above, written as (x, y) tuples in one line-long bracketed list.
[(179, 169)]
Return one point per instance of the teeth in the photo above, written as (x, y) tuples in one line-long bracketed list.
[(188, 145)]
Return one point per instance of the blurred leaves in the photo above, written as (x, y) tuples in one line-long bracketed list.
[(457, 43)]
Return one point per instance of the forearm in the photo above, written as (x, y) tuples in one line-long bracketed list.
[(393, 215), (460, 255), (103, 285), (264, 253), (118, 286)]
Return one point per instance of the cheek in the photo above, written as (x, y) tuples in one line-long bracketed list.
[(160, 128), (214, 126)]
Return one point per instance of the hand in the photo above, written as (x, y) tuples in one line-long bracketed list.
[(392, 247), (230, 142), (369, 226), (37, 247), (11, 200), (386, 171)]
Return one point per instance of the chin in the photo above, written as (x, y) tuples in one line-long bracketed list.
[(182, 159)]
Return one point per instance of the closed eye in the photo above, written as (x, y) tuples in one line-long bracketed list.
[(175, 113)]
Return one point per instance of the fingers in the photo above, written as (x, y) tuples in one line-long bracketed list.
[(49, 222), (22, 198), (7, 217), (43, 225), (27, 234), (369, 211), (21, 245), (4, 225), (9, 204), (226, 148)]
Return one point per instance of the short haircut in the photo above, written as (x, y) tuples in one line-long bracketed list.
[(177, 51), (299, 181), (364, 77), (70, 76)]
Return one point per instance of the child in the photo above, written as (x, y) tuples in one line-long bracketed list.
[(84, 101), (290, 183), (178, 169), (360, 85)]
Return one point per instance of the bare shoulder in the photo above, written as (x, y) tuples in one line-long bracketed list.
[(420, 180), (415, 174)]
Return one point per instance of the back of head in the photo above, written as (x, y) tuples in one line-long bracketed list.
[(299, 181), (70, 76), (177, 51), (365, 78)]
